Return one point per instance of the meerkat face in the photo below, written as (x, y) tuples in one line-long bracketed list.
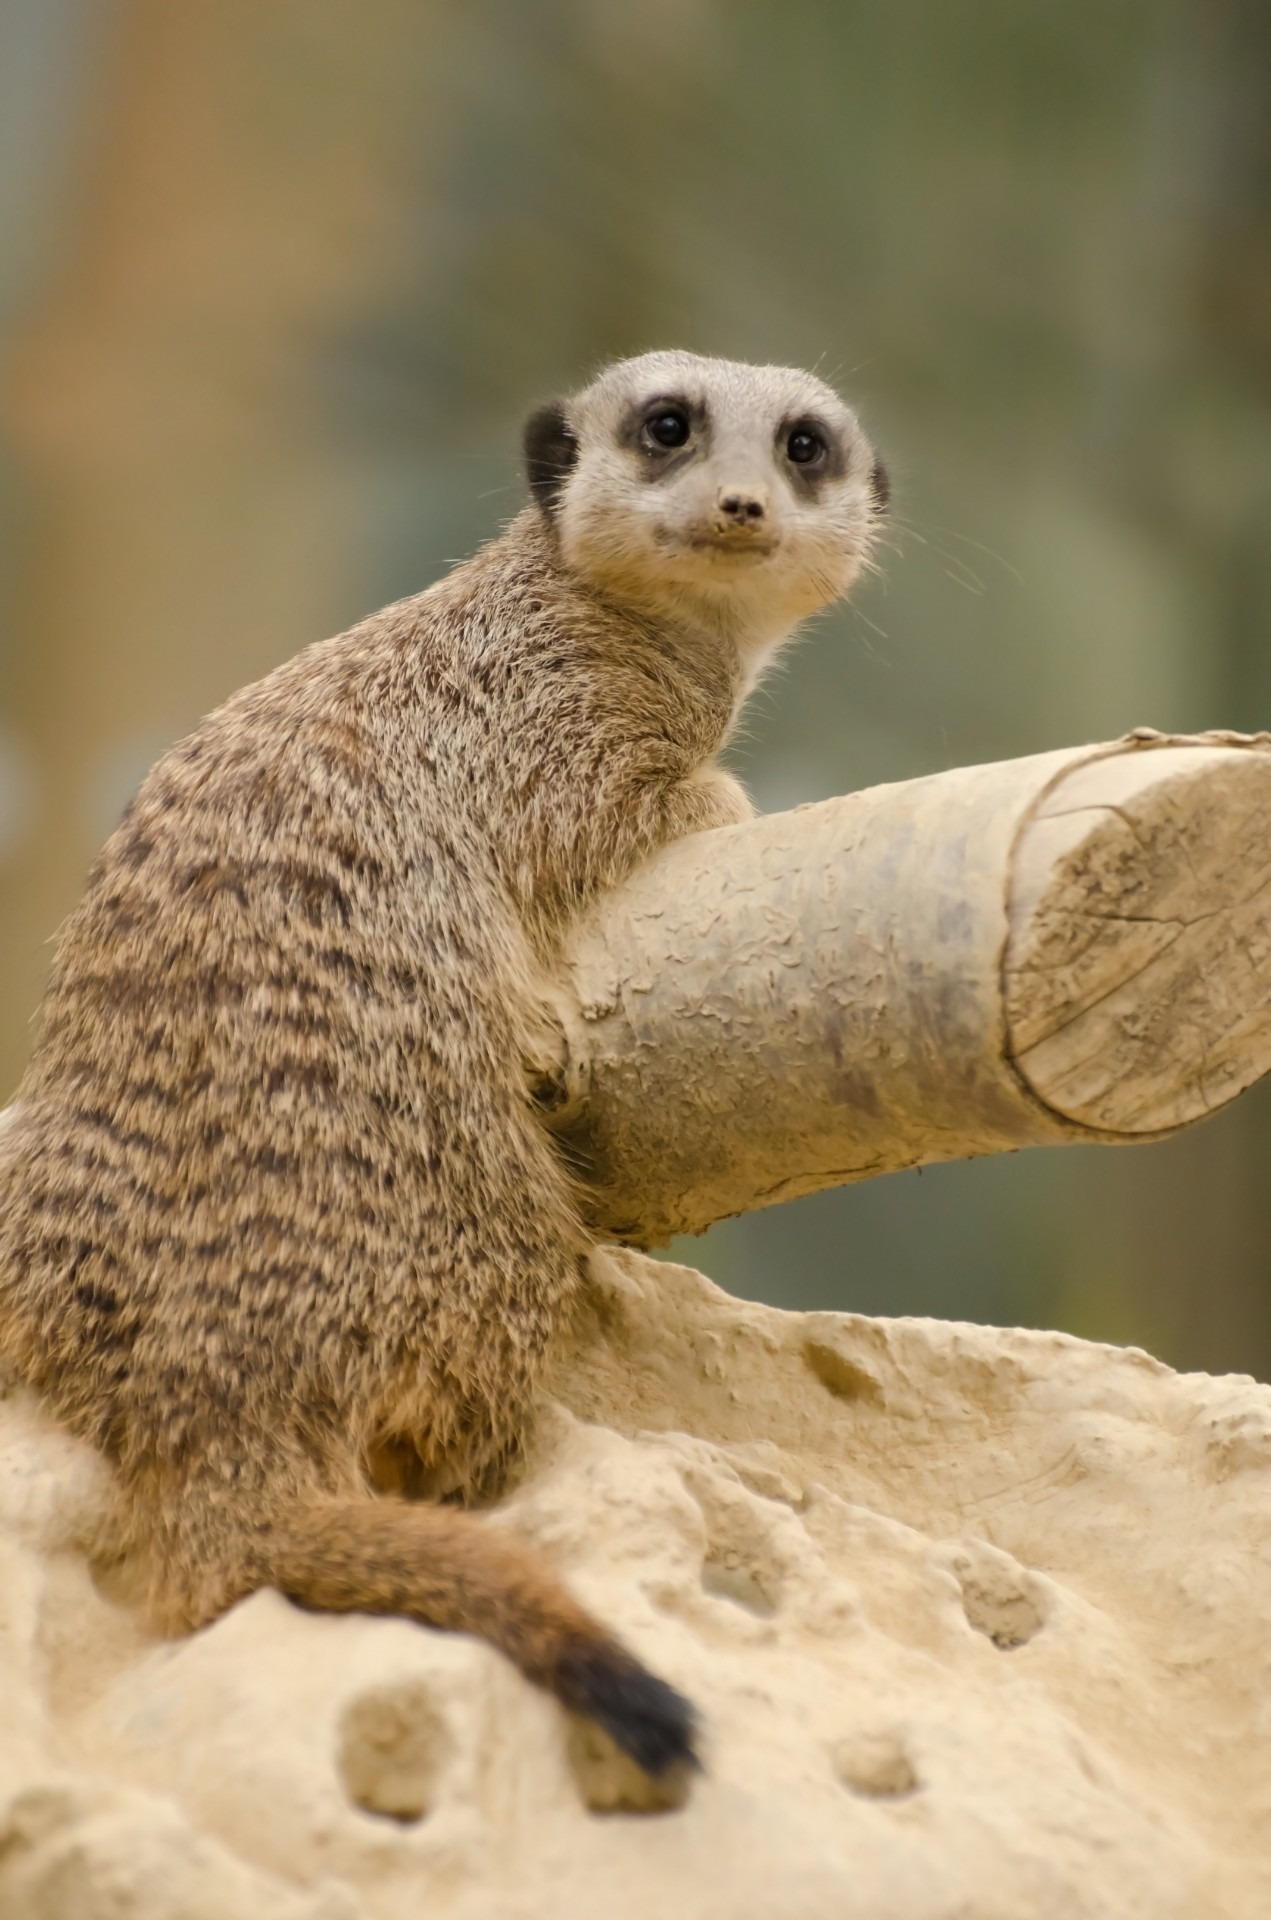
[(684, 486)]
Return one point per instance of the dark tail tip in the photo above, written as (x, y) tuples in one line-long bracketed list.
[(644, 1716)]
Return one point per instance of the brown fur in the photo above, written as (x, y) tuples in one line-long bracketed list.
[(276, 1205)]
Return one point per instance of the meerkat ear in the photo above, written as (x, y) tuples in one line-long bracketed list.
[(551, 448), (880, 487)]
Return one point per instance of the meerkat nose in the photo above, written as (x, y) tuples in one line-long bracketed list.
[(742, 507)]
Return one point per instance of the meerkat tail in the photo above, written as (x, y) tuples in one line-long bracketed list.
[(449, 1569)]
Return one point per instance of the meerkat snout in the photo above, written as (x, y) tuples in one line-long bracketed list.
[(743, 509)]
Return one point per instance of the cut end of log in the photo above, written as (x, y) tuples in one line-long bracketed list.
[(1137, 980)]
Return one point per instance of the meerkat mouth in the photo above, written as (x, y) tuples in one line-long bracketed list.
[(734, 544)]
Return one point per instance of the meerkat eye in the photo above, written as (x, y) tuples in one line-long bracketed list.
[(805, 446), (668, 427)]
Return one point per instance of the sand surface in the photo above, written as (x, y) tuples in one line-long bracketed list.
[(979, 1624)]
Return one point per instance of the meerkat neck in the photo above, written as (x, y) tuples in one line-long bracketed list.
[(684, 627), (750, 634), (681, 620)]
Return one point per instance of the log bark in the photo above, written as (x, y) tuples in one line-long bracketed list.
[(1070, 947)]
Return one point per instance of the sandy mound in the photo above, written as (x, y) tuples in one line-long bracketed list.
[(978, 1623)]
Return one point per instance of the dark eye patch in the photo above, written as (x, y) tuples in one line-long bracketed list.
[(666, 431), (810, 451)]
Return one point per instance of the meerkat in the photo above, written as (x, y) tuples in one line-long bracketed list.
[(275, 1204)]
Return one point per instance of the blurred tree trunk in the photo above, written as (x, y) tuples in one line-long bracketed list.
[(1189, 1225), (235, 209)]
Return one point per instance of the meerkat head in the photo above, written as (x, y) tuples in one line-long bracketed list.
[(708, 489)]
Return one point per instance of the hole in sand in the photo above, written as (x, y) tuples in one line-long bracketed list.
[(609, 1781), (876, 1764), (393, 1744), (999, 1605), (841, 1376), (742, 1561), (728, 1578)]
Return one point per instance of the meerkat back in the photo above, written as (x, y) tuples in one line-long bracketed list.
[(276, 1204)]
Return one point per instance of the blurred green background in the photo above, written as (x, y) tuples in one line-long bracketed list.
[(280, 278)]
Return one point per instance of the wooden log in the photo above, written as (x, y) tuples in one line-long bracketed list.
[(1070, 947)]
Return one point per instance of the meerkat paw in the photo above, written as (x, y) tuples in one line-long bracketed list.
[(712, 797)]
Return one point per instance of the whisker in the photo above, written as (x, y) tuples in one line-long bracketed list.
[(964, 576), (990, 553)]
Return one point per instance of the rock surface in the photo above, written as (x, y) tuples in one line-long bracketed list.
[(977, 1622)]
